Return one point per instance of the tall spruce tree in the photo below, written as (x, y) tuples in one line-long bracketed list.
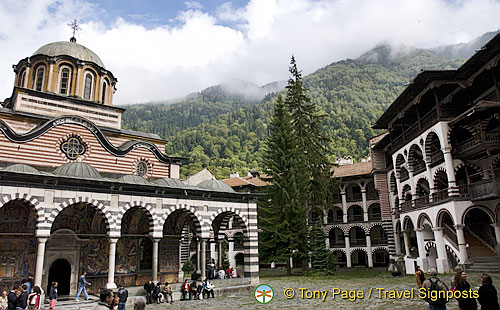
[(319, 253), (283, 206), (307, 122)]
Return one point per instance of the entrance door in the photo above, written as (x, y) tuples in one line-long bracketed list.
[(60, 272)]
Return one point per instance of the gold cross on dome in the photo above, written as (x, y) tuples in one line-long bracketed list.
[(74, 25)]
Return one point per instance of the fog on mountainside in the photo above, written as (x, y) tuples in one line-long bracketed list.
[(222, 127)]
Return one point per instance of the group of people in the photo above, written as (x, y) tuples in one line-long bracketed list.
[(109, 300), (487, 294), (221, 273), (197, 291), (156, 294), (24, 296)]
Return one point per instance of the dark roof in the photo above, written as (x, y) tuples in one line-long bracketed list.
[(350, 170), (423, 79)]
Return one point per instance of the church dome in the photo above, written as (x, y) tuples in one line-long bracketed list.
[(72, 49), (133, 179), (78, 170), (171, 182), (216, 185), (22, 168)]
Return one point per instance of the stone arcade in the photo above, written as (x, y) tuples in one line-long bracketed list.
[(78, 193)]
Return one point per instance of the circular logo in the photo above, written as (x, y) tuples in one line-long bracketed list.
[(264, 294)]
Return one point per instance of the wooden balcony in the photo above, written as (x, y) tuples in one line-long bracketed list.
[(477, 143), (440, 196), (482, 190), (421, 201)]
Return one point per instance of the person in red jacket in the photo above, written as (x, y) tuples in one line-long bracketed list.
[(185, 290)]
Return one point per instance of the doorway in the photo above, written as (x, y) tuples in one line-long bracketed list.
[(60, 272)]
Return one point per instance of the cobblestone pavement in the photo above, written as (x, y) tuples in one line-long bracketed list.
[(359, 280)]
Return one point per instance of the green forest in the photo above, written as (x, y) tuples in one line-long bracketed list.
[(225, 132)]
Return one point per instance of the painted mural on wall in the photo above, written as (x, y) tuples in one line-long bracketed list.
[(17, 254), (126, 256), (169, 255)]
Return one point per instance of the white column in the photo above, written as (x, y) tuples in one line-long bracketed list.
[(203, 258), (111, 264), (496, 226), (198, 254), (219, 252), (40, 255), (348, 251), (51, 73), (422, 257), (290, 261), (365, 206), (397, 243), (429, 176), (462, 248), (450, 172), (26, 80), (212, 250), (344, 206), (325, 216), (442, 260), (78, 81), (181, 273), (155, 259), (369, 250), (327, 242), (406, 238), (232, 261)]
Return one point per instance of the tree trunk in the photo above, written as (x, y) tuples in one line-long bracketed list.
[(288, 268)]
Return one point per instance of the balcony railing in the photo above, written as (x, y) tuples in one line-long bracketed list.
[(422, 201), (374, 216), (474, 141), (437, 158), (337, 244), (355, 218), (484, 189), (379, 241), (358, 242), (354, 197), (440, 195), (406, 206), (332, 220), (404, 175)]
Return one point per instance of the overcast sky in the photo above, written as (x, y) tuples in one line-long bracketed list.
[(167, 49)]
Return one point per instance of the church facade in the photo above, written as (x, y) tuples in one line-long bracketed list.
[(79, 193)]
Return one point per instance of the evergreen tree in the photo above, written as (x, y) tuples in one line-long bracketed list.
[(307, 122), (282, 208), (319, 253)]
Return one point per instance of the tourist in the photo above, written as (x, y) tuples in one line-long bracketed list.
[(464, 286), (192, 290), (434, 284), (199, 292), (140, 303), (12, 299), (115, 302), (35, 299), (53, 295), (488, 298), (123, 296), (419, 276), (81, 287), (228, 272), (208, 289), (185, 290), (29, 284), (456, 277), (234, 274), (105, 300), (4, 301), (221, 273), (167, 292), (149, 287), (211, 272), (157, 294), (22, 298)]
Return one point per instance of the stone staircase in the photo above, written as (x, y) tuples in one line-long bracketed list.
[(477, 247), (489, 264)]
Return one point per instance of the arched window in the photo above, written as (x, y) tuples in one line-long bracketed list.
[(39, 77), (21, 77), (88, 86), (65, 81), (104, 95)]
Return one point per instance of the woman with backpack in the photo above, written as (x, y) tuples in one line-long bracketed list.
[(53, 295), (464, 287), (35, 299)]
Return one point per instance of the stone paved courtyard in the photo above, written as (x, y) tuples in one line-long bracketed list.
[(359, 279)]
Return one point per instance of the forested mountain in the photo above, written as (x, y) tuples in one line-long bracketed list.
[(224, 131)]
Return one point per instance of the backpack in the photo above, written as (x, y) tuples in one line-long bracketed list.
[(435, 287)]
